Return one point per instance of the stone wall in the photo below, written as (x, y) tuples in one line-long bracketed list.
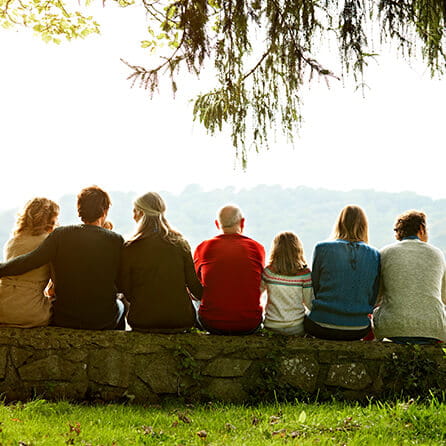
[(58, 363)]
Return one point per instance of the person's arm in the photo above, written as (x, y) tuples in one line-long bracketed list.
[(192, 282), (377, 287), (443, 284), (316, 270), (197, 264), (124, 282), (308, 294), (42, 255)]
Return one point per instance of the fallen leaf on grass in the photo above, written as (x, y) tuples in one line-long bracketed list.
[(147, 430), (295, 434), (281, 433), (174, 424), (273, 419), (184, 418), (17, 420), (75, 428), (202, 434), (230, 427), (255, 421)]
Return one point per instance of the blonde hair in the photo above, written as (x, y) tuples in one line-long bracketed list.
[(153, 221), (352, 225), (37, 217), (287, 254)]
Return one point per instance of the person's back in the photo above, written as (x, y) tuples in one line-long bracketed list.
[(230, 268), (413, 286), (22, 300), (85, 262), (345, 276)]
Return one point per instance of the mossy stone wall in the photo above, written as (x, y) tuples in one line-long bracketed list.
[(56, 363)]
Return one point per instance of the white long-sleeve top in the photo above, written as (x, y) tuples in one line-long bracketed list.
[(287, 298)]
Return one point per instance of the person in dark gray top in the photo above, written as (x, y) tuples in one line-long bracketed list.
[(157, 272), (85, 261)]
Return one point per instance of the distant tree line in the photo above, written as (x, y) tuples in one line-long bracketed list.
[(268, 210)]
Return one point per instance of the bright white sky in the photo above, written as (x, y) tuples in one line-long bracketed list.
[(69, 119)]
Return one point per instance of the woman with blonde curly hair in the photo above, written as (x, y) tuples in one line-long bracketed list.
[(22, 299)]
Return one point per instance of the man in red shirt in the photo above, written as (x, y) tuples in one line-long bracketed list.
[(230, 268)]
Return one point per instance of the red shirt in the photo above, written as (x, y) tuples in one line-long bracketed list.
[(230, 268)]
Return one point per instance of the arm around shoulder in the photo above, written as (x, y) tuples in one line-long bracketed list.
[(42, 255)]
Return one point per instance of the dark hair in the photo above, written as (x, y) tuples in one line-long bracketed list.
[(409, 223), (92, 202)]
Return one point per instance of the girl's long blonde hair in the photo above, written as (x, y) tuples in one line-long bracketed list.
[(153, 222), (38, 217), (287, 254), (352, 225)]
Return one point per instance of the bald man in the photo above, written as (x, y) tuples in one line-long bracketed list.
[(230, 268)]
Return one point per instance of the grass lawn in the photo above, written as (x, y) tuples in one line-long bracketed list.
[(44, 423)]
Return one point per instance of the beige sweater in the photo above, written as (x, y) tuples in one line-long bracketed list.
[(22, 302), (413, 291)]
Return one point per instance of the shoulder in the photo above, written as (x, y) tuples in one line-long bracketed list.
[(435, 251), (369, 248), (249, 241), (327, 246)]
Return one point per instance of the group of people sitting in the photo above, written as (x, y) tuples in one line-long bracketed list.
[(86, 276)]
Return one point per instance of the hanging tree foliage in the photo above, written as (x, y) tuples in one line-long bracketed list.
[(263, 51)]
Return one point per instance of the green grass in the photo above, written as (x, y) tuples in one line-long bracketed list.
[(43, 423)]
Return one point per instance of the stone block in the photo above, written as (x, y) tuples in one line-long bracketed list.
[(160, 372), (227, 367), (301, 371), (226, 389), (3, 361), (139, 392), (19, 356), (351, 376), (111, 367), (50, 368)]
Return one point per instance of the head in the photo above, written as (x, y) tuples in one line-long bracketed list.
[(93, 204), (352, 225), (287, 254), (230, 220), (148, 212), (39, 216), (108, 225), (411, 223)]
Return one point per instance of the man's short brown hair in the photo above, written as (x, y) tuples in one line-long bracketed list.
[(409, 223), (92, 203)]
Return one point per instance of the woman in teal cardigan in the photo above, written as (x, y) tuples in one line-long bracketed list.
[(345, 277)]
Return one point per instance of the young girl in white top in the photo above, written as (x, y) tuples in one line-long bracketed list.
[(287, 281)]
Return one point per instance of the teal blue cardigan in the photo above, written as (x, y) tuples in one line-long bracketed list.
[(345, 279)]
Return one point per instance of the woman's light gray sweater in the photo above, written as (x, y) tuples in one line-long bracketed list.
[(412, 292)]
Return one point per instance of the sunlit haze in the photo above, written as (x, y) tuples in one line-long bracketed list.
[(69, 119)]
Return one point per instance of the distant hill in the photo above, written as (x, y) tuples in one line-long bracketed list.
[(310, 213)]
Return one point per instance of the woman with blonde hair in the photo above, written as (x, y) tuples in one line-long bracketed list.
[(22, 299), (345, 277), (287, 281), (157, 275)]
